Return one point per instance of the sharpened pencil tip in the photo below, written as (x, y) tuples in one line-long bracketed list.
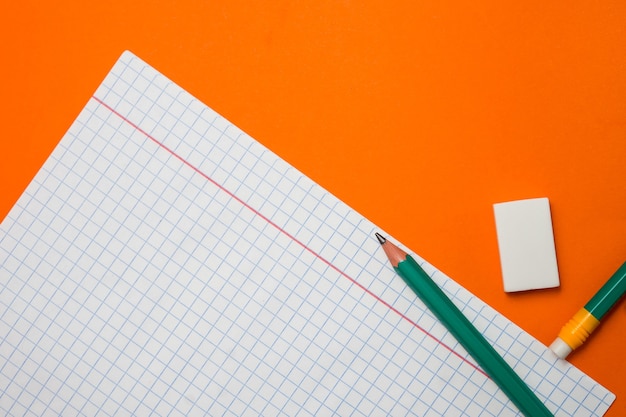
[(380, 238)]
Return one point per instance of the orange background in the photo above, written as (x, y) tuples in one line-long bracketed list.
[(420, 115)]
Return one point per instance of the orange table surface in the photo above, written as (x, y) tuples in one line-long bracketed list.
[(420, 115)]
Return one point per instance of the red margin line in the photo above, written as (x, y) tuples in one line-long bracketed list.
[(283, 231)]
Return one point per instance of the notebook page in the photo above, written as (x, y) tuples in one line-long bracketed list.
[(163, 262)]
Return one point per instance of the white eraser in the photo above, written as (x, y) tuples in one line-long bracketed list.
[(526, 244)]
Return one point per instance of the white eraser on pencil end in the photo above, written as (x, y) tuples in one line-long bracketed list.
[(526, 244), (560, 348)]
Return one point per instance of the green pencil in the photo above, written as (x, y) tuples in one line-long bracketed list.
[(467, 335), (585, 321)]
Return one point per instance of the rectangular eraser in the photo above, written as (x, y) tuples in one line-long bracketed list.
[(526, 244)]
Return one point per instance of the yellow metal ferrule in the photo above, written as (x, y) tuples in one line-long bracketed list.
[(576, 331)]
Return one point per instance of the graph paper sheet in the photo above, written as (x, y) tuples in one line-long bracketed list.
[(162, 262)]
